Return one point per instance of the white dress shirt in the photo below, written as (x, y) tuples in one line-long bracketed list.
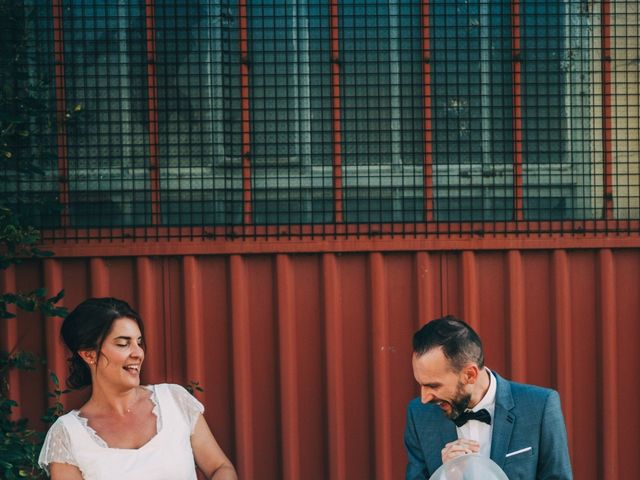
[(480, 431)]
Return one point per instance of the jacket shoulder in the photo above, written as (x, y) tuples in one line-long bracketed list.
[(531, 398), (526, 389)]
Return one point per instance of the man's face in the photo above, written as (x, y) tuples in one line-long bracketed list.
[(440, 384)]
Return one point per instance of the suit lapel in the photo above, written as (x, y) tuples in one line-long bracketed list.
[(503, 421)]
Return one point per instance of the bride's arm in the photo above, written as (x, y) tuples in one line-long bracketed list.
[(208, 455), (64, 471)]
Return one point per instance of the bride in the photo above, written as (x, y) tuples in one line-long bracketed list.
[(125, 430)]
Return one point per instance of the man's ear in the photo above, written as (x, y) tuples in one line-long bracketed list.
[(470, 373), (89, 356)]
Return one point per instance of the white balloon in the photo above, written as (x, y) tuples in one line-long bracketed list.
[(469, 467)]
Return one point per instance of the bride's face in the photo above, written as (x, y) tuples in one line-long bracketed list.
[(121, 355)]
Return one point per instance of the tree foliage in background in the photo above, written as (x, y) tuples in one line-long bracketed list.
[(25, 119)]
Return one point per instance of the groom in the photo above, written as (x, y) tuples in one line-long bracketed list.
[(466, 408)]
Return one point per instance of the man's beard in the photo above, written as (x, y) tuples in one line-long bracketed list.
[(459, 404)]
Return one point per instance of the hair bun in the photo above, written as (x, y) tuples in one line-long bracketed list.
[(79, 373)]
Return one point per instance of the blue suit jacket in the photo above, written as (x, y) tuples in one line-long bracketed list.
[(529, 439)]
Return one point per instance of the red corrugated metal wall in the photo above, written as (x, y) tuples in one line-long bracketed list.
[(305, 358)]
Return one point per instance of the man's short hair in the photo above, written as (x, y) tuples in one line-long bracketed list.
[(459, 342)]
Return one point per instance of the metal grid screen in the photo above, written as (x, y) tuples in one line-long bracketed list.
[(176, 119)]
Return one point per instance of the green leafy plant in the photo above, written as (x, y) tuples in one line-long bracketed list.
[(56, 408), (193, 386), (19, 444), (26, 122)]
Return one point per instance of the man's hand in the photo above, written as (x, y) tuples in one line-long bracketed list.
[(462, 446)]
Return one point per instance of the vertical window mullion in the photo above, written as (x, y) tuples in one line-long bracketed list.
[(246, 132), (394, 87), (396, 185), (607, 108), (485, 84), (335, 114), (152, 102), (428, 128), (517, 110), (61, 134)]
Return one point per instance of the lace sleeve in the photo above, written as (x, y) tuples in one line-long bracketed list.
[(56, 447), (190, 406)]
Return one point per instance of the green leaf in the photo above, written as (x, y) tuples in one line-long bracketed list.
[(58, 312), (26, 304), (58, 297), (40, 292)]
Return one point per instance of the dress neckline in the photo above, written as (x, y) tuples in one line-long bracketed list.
[(97, 439)]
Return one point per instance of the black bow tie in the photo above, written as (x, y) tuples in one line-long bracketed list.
[(480, 415)]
